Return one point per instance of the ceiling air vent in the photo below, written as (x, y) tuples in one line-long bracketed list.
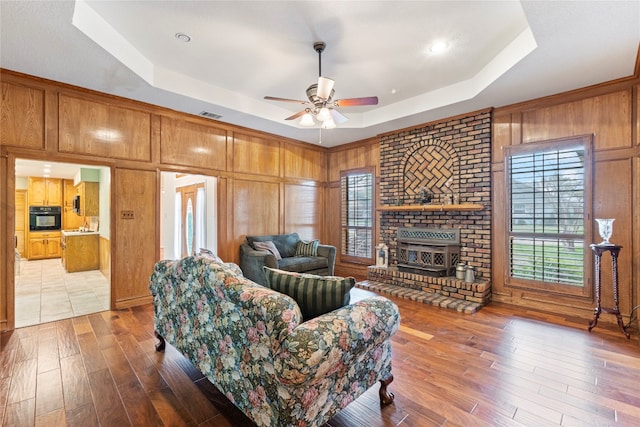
[(210, 115)]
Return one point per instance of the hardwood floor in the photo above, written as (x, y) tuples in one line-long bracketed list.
[(499, 367)]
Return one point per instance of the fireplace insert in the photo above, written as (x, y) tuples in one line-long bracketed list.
[(431, 251)]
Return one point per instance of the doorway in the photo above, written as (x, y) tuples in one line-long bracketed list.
[(47, 289), (188, 218)]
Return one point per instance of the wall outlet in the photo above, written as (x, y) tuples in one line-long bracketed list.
[(127, 215)]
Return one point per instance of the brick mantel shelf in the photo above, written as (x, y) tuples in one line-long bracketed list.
[(463, 207)]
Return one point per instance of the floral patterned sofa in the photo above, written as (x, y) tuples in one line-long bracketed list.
[(251, 343)]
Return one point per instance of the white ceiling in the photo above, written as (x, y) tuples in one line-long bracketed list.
[(499, 53), (26, 168)]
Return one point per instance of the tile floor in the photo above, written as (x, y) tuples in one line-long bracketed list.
[(46, 292)]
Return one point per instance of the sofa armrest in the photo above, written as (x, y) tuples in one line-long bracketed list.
[(252, 261), (329, 252), (332, 342)]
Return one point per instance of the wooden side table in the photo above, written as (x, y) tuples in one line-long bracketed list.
[(598, 250)]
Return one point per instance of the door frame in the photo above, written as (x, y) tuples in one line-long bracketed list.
[(9, 226)]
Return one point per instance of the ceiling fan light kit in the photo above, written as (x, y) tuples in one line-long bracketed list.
[(328, 124), (307, 120), (320, 104), (323, 114), (325, 88)]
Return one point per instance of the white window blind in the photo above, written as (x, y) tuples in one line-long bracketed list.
[(357, 215), (547, 215)]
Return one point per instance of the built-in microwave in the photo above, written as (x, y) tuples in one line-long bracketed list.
[(43, 218), (76, 204)]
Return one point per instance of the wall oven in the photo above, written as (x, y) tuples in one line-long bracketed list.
[(44, 218)]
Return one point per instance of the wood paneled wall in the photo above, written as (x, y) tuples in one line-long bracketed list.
[(356, 155), (135, 191), (22, 115), (256, 155), (193, 144), (299, 162), (6, 267), (609, 112), (255, 208), (266, 184), (103, 130), (304, 209)]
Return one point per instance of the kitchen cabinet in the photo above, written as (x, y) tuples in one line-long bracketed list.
[(70, 219), (80, 251), (45, 191), (44, 244), (21, 222), (89, 193)]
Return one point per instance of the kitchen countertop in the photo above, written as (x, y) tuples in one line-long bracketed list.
[(77, 233)]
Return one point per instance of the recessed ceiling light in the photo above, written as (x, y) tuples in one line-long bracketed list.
[(183, 37), (46, 170), (438, 46)]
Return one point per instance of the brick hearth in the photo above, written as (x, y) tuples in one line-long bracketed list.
[(430, 298), (447, 292)]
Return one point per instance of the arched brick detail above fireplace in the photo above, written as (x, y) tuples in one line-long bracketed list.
[(432, 165), (458, 147)]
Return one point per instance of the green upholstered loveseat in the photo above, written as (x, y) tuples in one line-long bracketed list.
[(251, 343), (252, 261)]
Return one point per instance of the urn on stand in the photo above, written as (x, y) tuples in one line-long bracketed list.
[(605, 228)]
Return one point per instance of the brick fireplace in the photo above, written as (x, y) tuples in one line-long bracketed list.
[(432, 177)]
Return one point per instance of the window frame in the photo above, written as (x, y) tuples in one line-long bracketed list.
[(350, 258), (586, 290)]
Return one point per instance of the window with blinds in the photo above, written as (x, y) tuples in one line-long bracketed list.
[(548, 205), (356, 215)]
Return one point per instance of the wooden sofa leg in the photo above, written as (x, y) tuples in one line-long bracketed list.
[(386, 397), (161, 345)]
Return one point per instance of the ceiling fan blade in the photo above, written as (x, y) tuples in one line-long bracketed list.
[(296, 115), (325, 86), (273, 98), (337, 117), (350, 102)]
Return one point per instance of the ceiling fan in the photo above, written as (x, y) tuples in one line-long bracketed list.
[(320, 104)]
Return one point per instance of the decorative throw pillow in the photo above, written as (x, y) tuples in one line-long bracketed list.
[(269, 247), (309, 248), (209, 254), (314, 294)]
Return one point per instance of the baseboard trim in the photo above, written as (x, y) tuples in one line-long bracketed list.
[(133, 302)]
